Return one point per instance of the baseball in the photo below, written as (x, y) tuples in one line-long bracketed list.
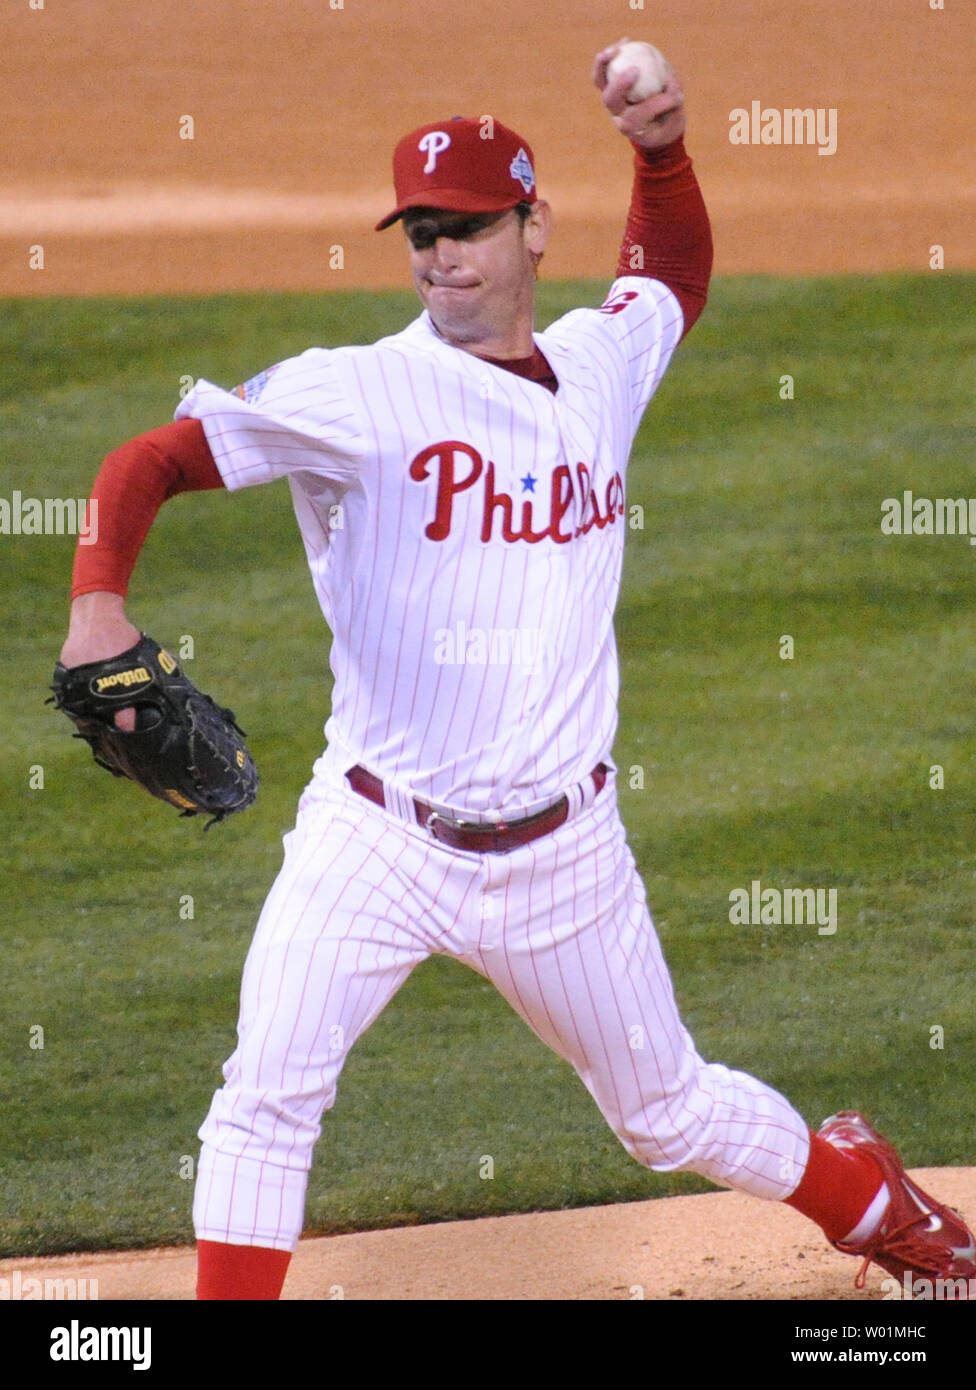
[(653, 68)]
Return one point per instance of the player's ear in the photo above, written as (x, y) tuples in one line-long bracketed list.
[(537, 227)]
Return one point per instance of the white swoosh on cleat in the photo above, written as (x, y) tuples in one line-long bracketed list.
[(964, 1252), (923, 1208)]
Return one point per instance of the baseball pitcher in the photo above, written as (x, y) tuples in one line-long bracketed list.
[(465, 803)]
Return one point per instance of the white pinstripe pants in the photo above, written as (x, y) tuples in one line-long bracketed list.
[(560, 927)]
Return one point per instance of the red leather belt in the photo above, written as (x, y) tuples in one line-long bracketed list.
[(498, 837)]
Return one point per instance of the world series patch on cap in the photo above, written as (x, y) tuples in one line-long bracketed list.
[(463, 165)]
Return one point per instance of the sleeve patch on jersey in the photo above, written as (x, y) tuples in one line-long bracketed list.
[(249, 391)]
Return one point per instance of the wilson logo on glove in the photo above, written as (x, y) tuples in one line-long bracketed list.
[(125, 678), (184, 749)]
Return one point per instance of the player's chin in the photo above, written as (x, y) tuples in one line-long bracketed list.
[(457, 314)]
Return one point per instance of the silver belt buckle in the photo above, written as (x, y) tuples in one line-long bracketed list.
[(464, 825)]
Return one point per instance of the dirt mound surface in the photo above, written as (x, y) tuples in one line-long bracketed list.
[(721, 1246)]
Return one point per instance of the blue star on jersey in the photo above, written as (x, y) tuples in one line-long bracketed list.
[(528, 483)]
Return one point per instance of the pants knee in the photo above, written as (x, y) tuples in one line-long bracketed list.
[(279, 1128)]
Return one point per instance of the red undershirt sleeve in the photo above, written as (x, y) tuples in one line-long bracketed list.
[(668, 223), (132, 484)]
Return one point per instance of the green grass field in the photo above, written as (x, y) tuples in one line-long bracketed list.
[(762, 518)]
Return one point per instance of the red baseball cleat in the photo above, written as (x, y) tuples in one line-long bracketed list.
[(919, 1238)]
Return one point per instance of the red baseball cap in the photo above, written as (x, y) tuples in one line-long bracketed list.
[(463, 165)]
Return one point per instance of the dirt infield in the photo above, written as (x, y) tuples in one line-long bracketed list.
[(295, 110), (722, 1246)]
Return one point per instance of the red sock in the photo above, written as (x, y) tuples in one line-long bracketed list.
[(239, 1271), (837, 1188)]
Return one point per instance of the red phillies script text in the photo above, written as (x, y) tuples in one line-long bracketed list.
[(459, 466)]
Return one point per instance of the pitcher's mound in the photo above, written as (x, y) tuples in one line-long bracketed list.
[(719, 1246)]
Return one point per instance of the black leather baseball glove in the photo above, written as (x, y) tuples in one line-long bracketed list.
[(184, 749)]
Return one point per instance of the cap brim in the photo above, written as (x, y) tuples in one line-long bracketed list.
[(451, 200)]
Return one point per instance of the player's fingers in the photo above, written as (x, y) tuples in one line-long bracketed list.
[(605, 56), (673, 88), (125, 719), (653, 110), (615, 92), (669, 97)]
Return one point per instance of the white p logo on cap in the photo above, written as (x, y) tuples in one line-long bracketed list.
[(432, 144)]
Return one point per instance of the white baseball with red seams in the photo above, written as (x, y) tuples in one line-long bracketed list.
[(472, 500)]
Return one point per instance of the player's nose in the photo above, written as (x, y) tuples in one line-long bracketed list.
[(447, 253)]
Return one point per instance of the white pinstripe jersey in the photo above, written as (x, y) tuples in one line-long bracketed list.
[(464, 528)]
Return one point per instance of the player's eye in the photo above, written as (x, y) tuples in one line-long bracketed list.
[(423, 235)]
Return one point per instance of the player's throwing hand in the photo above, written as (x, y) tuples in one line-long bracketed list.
[(650, 124)]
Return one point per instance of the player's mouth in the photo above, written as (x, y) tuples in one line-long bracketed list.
[(453, 285)]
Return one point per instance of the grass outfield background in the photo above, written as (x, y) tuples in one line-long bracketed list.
[(762, 518)]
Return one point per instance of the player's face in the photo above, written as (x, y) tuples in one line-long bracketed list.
[(475, 272)]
